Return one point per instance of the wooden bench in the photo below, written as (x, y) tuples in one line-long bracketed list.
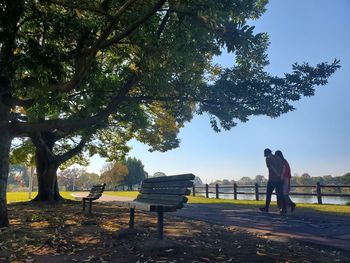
[(161, 194), (95, 193)]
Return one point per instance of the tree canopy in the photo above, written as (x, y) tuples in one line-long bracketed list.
[(86, 60), (114, 173), (96, 70), (136, 172)]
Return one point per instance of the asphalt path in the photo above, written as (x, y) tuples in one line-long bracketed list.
[(318, 228)]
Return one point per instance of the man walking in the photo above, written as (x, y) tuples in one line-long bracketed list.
[(275, 167)]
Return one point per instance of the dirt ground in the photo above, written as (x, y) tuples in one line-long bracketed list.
[(62, 233)]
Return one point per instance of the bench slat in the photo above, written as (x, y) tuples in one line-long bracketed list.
[(151, 207), (171, 184), (160, 191), (95, 192), (99, 189), (179, 177), (175, 198), (162, 202), (94, 196)]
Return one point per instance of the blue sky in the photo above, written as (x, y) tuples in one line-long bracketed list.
[(315, 138)]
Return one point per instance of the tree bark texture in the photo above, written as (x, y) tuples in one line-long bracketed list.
[(5, 142), (47, 175)]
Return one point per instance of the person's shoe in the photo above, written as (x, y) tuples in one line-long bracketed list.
[(292, 207), (264, 209)]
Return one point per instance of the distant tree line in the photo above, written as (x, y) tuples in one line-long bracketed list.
[(128, 173), (304, 179), (114, 174)]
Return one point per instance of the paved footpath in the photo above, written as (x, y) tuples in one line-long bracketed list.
[(322, 229), (328, 230)]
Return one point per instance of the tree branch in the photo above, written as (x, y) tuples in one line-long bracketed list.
[(70, 125), (135, 25), (66, 156), (80, 6), (206, 102), (85, 61)]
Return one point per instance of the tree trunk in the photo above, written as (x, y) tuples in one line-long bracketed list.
[(47, 178), (12, 10), (5, 143)]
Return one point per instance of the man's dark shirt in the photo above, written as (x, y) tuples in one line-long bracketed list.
[(275, 167)]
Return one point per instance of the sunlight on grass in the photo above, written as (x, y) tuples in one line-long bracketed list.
[(13, 197), (67, 195), (203, 200), (122, 193), (333, 209), (326, 208)]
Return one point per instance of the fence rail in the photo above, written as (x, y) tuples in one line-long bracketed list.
[(208, 189)]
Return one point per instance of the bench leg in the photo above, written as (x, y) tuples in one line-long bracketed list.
[(83, 205), (90, 205), (160, 225), (132, 218)]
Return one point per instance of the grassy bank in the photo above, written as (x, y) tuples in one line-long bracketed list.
[(13, 197), (303, 207)]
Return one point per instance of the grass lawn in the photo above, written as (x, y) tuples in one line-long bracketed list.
[(13, 197), (304, 207)]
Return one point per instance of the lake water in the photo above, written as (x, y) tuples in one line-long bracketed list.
[(296, 199)]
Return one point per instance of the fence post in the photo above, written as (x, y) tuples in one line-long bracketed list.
[(217, 191), (206, 191), (235, 191), (256, 191), (319, 194), (193, 190)]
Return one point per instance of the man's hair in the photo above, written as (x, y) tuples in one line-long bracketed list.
[(267, 152)]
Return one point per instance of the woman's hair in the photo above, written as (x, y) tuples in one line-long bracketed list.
[(279, 154)]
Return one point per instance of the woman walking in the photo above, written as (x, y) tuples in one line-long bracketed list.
[(286, 176)]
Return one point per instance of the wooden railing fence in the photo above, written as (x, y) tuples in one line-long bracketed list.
[(236, 190)]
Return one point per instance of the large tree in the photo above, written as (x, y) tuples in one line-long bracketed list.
[(113, 174), (73, 68), (136, 172), (47, 152)]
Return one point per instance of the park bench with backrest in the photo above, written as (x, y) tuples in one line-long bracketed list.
[(95, 193), (161, 194)]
